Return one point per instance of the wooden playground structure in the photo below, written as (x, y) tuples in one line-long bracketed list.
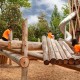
[(74, 24), (49, 50)]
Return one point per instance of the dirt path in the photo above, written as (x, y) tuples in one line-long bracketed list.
[(39, 71)]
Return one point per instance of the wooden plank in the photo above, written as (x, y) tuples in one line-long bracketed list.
[(45, 50), (55, 48), (52, 56), (62, 52), (69, 56)]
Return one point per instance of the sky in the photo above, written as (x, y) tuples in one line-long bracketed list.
[(38, 6)]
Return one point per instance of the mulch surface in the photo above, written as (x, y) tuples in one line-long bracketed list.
[(38, 71)]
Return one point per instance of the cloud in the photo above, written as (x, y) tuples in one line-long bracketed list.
[(33, 19), (38, 6), (50, 4)]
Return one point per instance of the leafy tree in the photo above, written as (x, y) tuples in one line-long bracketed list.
[(55, 20), (10, 15), (65, 10), (42, 26), (19, 3), (31, 33), (2, 27)]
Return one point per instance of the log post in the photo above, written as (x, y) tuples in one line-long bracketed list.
[(45, 50), (9, 45), (24, 48)]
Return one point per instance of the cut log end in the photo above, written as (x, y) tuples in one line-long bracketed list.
[(46, 62), (71, 61), (24, 62), (53, 61), (77, 62), (59, 61), (65, 61)]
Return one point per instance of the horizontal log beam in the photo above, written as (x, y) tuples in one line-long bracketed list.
[(18, 44), (21, 60), (36, 55)]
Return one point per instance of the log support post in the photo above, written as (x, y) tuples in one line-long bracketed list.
[(24, 48), (9, 45)]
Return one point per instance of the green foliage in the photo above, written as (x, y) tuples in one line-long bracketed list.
[(36, 31), (11, 14), (65, 10), (17, 33), (21, 3), (31, 33), (2, 27), (55, 20), (42, 26)]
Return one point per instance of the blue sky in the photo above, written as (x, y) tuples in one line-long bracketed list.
[(38, 6)]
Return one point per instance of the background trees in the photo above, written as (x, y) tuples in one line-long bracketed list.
[(10, 15), (55, 20), (39, 29)]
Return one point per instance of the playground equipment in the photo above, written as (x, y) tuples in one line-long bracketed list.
[(74, 24), (49, 50)]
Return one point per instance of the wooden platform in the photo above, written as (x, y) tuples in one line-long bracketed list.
[(58, 52), (54, 52)]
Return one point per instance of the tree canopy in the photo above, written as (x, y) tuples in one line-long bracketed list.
[(11, 15)]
